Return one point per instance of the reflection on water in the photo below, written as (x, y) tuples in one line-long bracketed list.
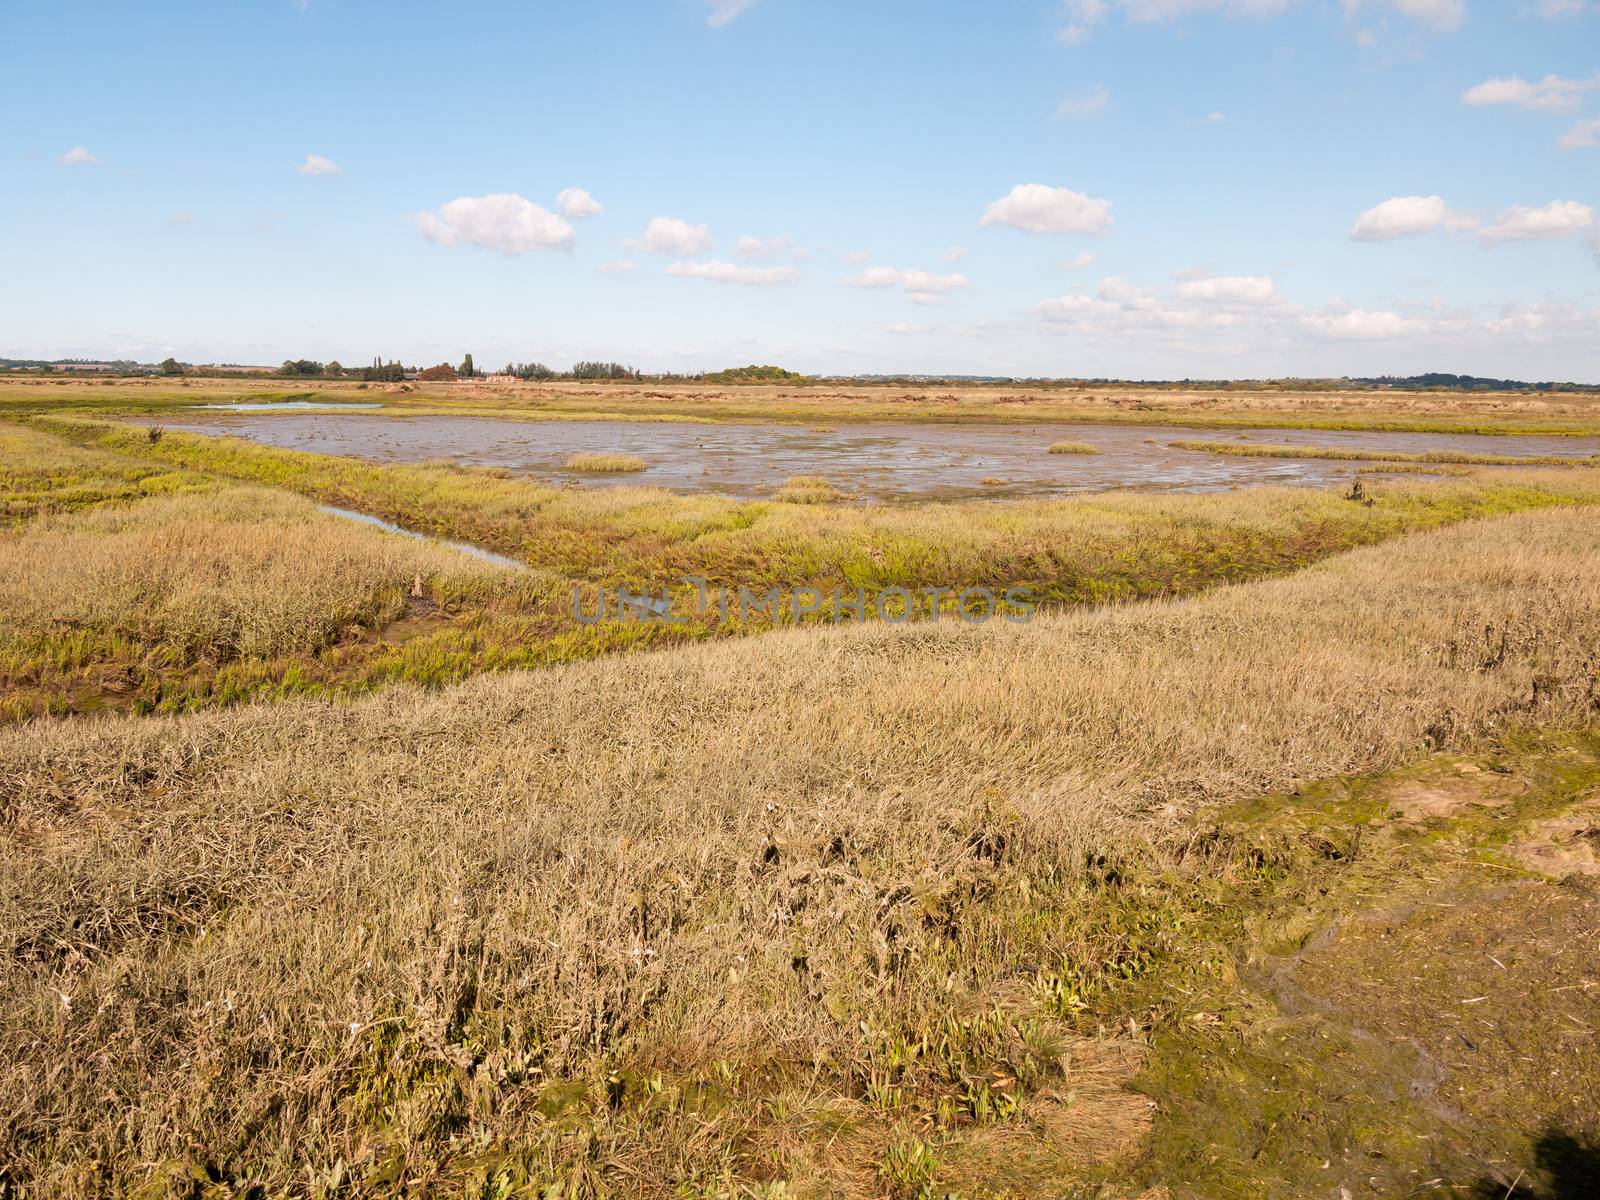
[(488, 556), (878, 460)]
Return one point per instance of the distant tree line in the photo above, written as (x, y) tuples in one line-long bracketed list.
[(602, 370), (529, 370)]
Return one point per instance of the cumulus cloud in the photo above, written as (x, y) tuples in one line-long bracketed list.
[(507, 223), (723, 272), (1360, 325), (669, 235), (1558, 219), (1079, 261), (723, 11), (754, 247), (856, 257), (1038, 208), (616, 268), (1553, 93), (1081, 17), (955, 254), (1228, 289), (1406, 216), (1081, 106), (315, 164), (1585, 135), (921, 287), (78, 156), (577, 203), (1439, 15)]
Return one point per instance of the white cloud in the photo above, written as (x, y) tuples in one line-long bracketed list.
[(507, 223), (1079, 261), (722, 272), (616, 268), (1228, 289), (856, 257), (577, 203), (1090, 103), (1215, 118), (906, 328), (754, 247), (1585, 135), (315, 164), (1558, 219), (723, 11), (921, 287), (1439, 15), (955, 254), (1359, 325), (1082, 16), (1553, 93), (78, 156), (1405, 216), (669, 235), (1037, 208)]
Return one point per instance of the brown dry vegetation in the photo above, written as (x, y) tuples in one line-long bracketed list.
[(1396, 456), (1091, 549), (826, 908), (838, 403)]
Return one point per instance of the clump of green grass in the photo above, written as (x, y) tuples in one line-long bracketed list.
[(1072, 448), (609, 464), (808, 489)]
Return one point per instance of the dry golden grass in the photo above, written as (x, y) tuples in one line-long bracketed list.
[(609, 464), (808, 489), (639, 923), (1072, 448), (837, 403), (232, 573), (1236, 450)]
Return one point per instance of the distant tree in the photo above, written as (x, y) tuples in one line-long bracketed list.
[(531, 370), (602, 370), (300, 367), (443, 373), (335, 368), (382, 372), (171, 366), (466, 368)]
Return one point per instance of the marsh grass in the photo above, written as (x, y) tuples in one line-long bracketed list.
[(1064, 551), (808, 489), (606, 464), (833, 403), (772, 909), (1073, 448), (1395, 456)]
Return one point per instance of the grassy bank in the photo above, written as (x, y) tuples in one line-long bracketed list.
[(816, 403), (1244, 450), (1063, 552), (848, 911)]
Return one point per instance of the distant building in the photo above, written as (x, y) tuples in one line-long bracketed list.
[(500, 379)]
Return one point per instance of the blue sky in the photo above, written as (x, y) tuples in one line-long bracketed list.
[(1135, 188)]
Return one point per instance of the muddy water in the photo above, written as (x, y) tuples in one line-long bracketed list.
[(875, 461)]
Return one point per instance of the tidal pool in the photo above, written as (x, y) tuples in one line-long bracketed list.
[(876, 461)]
